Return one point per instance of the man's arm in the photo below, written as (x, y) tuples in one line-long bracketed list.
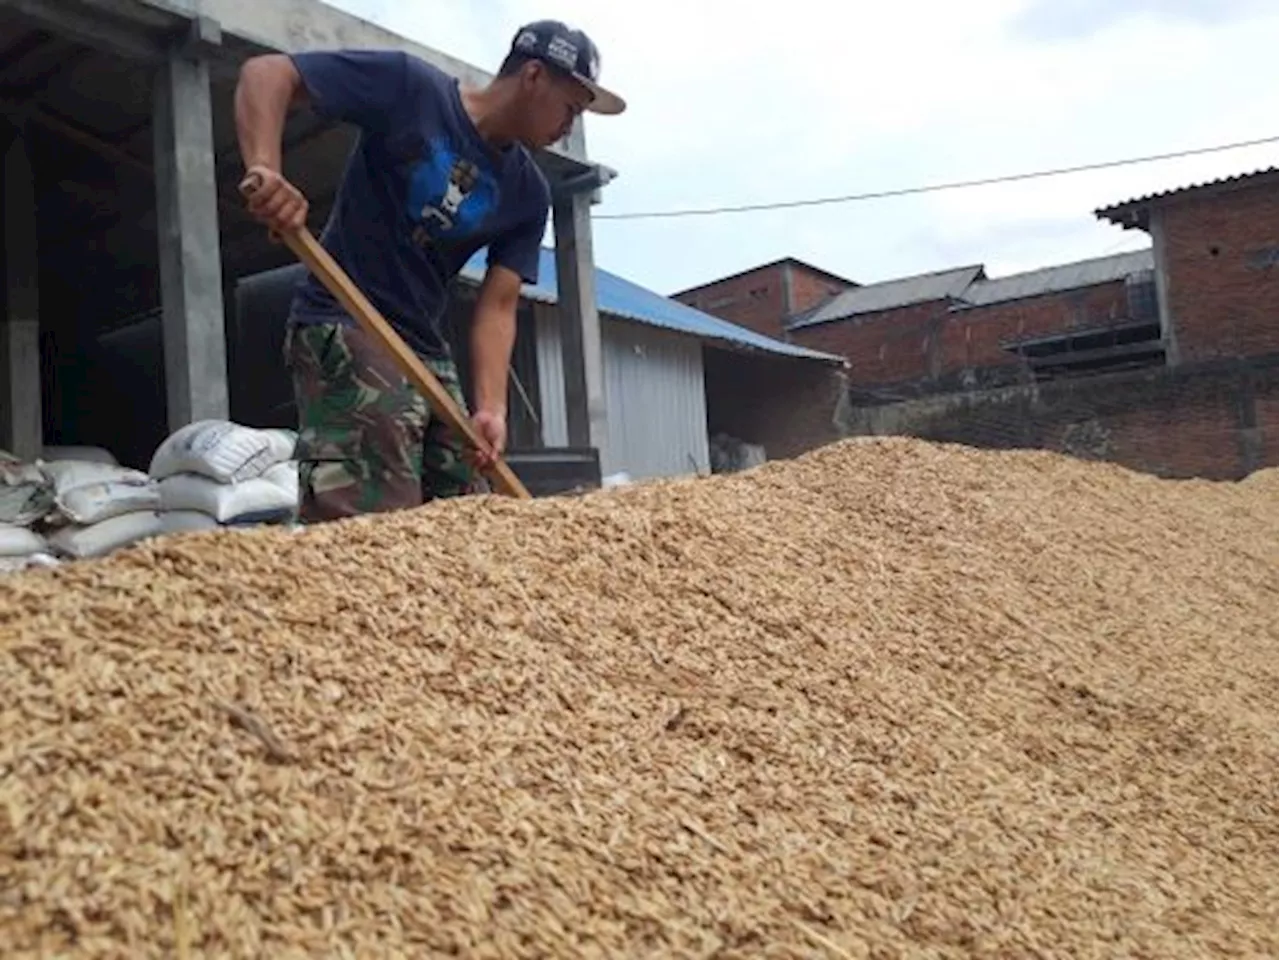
[(369, 88), (493, 334), (267, 88), (513, 259)]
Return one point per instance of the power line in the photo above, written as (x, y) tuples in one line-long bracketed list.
[(931, 188)]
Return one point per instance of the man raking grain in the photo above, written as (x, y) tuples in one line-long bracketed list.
[(438, 173)]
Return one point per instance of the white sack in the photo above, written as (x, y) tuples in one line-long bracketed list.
[(273, 496), (186, 521), (83, 454), (18, 564), (68, 474), (102, 501), (102, 538), (222, 451), (26, 495), (16, 541), (86, 492)]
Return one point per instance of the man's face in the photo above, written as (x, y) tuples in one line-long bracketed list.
[(551, 102)]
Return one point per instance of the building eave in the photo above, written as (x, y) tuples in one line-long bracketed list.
[(231, 31), (1136, 212)]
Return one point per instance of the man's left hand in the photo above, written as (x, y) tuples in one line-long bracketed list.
[(492, 428)]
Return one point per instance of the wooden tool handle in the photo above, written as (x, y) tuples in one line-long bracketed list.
[(335, 279)]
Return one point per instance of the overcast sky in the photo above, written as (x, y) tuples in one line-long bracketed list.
[(749, 102)]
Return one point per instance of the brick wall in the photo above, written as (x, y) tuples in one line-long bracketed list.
[(946, 374), (931, 346), (788, 406), (972, 337), (1214, 419), (753, 300), (808, 289), (1220, 260), (1197, 434), (761, 299), (1267, 410), (889, 346)]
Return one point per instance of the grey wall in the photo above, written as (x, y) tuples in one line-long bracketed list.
[(655, 394)]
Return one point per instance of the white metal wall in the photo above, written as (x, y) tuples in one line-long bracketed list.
[(655, 393), (555, 426)]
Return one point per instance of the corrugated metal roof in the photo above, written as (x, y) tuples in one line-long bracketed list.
[(1068, 276), (890, 295), (1127, 213), (630, 301)]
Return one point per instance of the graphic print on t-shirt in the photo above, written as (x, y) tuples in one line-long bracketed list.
[(449, 195)]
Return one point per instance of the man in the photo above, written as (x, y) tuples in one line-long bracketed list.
[(438, 172)]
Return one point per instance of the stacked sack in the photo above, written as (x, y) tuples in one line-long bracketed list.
[(26, 497), (99, 507), (90, 454), (215, 473)]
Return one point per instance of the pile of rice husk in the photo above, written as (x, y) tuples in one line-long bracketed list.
[(890, 699)]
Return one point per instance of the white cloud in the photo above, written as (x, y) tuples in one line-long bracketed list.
[(1071, 19), (749, 102)]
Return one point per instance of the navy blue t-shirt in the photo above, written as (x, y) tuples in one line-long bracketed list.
[(422, 192)]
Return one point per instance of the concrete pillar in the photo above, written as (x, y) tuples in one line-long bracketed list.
[(585, 406), (195, 352), (1160, 254), (21, 419)]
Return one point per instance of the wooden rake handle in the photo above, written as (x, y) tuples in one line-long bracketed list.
[(335, 279)]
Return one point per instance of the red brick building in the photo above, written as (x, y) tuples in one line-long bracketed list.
[(1163, 359), (761, 298), (889, 332), (942, 330), (959, 329), (1215, 264)]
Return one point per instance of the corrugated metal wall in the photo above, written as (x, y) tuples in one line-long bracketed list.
[(655, 393), (555, 427), (657, 402)]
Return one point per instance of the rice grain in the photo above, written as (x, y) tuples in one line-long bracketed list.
[(889, 699)]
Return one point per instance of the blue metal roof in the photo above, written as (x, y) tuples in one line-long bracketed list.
[(630, 301)]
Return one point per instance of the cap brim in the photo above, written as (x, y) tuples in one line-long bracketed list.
[(602, 100)]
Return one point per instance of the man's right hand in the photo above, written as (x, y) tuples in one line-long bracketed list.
[(273, 200)]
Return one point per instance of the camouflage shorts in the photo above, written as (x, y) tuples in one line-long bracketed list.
[(367, 440)]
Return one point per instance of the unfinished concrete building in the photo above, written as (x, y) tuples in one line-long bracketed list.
[(120, 198)]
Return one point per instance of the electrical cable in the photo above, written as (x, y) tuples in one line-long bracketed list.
[(931, 188)]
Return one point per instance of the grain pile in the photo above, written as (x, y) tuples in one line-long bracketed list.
[(888, 700)]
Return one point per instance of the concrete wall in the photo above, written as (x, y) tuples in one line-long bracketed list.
[(1220, 260), (789, 407), (293, 25), (1213, 419)]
